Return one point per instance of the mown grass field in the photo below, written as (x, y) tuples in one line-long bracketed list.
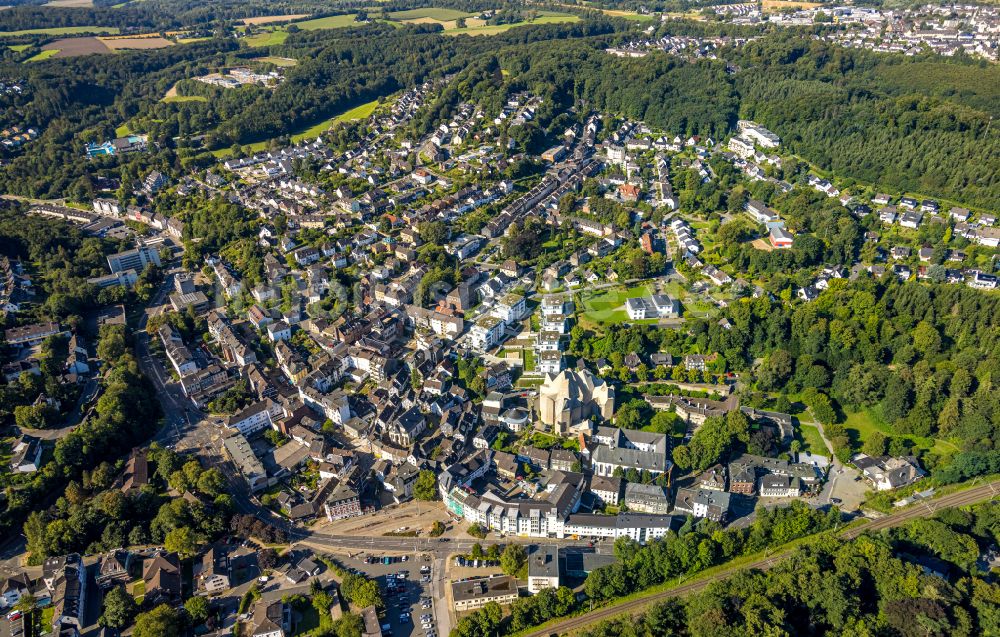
[(773, 6), (185, 98), (628, 15), (270, 19), (255, 147), (547, 17), (811, 440), (358, 112), (270, 59), (266, 38), (329, 22), (59, 31), (605, 306), (17, 48), (43, 55), (434, 13)]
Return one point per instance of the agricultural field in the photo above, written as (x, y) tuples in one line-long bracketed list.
[(138, 42), (629, 15), (329, 22), (434, 14), (358, 112), (277, 61), (60, 31), (17, 48), (774, 6), (71, 47), (271, 19), (547, 17)]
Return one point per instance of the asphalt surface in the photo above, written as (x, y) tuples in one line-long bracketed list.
[(415, 591), (969, 496)]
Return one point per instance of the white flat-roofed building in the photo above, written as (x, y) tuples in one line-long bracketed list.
[(487, 333), (135, 259), (509, 308), (550, 362), (256, 417)]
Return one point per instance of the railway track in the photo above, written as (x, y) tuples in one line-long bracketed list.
[(974, 495)]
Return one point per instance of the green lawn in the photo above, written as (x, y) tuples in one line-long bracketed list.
[(123, 131), (267, 38), (549, 17), (270, 59), (255, 147), (529, 360), (329, 22), (606, 305), (358, 112), (861, 425), (629, 15), (185, 98), (811, 441), (429, 12), (44, 55), (60, 31), (48, 614)]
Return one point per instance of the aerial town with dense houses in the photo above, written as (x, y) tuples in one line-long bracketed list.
[(464, 351)]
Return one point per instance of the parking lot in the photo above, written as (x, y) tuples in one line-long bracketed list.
[(414, 593)]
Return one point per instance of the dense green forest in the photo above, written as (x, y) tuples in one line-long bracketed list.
[(920, 358), (125, 415), (873, 585), (93, 515)]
